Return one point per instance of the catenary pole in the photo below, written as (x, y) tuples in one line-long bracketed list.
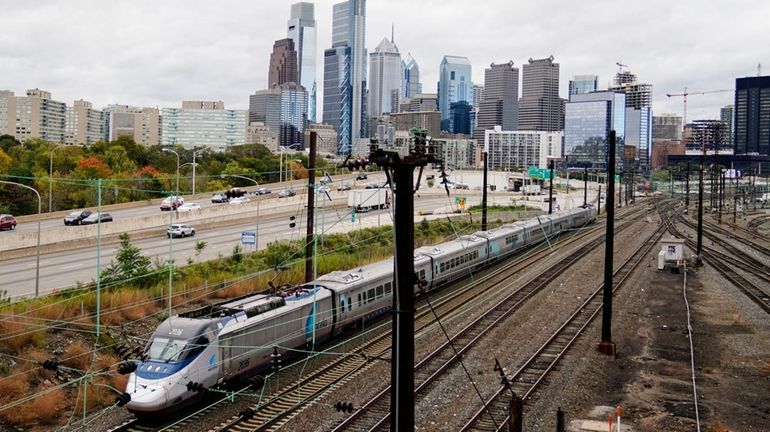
[(607, 346)]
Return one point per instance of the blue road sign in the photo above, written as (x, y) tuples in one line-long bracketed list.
[(248, 238)]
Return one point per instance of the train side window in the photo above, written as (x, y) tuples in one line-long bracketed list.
[(379, 291), (370, 295), (388, 288), (422, 274), (359, 299)]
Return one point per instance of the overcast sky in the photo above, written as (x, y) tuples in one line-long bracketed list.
[(157, 53)]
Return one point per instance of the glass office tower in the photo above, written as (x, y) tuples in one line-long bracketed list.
[(588, 119), (302, 30)]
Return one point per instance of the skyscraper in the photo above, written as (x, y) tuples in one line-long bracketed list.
[(384, 77), (638, 115), (283, 64), (338, 95), (346, 61), (500, 104), (583, 84), (588, 119), (540, 107), (454, 86), (411, 86), (752, 111), (302, 30)]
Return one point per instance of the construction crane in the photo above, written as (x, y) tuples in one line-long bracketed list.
[(686, 93), (620, 66)]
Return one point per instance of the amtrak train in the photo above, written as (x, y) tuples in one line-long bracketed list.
[(238, 338)]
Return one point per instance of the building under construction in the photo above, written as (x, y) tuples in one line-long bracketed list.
[(710, 135)]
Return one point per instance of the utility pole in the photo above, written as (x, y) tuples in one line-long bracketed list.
[(687, 189), (484, 193), (401, 171), (606, 346), (550, 188), (699, 247), (585, 186), (310, 210)]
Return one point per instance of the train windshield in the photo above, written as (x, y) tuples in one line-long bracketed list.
[(165, 349), (171, 350)]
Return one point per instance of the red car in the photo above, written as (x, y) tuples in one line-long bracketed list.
[(7, 222)]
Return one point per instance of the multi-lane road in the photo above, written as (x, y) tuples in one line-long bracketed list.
[(63, 269)]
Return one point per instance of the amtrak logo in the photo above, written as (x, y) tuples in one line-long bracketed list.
[(212, 362)]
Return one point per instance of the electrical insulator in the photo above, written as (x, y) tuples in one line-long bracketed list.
[(344, 407), (275, 360), (291, 221)]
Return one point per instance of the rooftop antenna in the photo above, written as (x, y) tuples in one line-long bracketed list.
[(392, 32), (759, 69)]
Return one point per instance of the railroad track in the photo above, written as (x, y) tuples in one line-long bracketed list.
[(728, 265), (375, 414), (276, 409), (493, 416)]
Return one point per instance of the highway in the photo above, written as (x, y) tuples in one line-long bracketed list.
[(64, 269)]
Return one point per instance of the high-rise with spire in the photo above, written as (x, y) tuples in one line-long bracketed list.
[(302, 31), (384, 78), (345, 74)]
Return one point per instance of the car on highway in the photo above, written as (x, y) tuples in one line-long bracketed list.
[(239, 200), (219, 198), (263, 191), (187, 207), (74, 218), (7, 222), (361, 176), (96, 217), (171, 203), (343, 188), (180, 230), (286, 193), (374, 186)]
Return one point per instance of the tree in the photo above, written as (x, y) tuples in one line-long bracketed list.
[(129, 263), (92, 168), (5, 162)]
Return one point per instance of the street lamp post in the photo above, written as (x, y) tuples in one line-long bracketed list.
[(39, 207), (50, 179), (195, 154), (168, 150)]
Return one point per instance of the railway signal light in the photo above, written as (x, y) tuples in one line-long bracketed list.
[(291, 221), (353, 217), (344, 407)]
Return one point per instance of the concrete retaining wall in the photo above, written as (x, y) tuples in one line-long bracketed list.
[(68, 237)]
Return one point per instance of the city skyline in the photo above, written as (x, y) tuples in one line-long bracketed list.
[(155, 59)]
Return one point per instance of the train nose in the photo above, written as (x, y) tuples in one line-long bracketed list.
[(147, 400)]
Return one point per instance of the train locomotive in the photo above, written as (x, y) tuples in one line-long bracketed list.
[(238, 338)]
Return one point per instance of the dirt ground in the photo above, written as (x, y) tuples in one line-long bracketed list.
[(651, 375)]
